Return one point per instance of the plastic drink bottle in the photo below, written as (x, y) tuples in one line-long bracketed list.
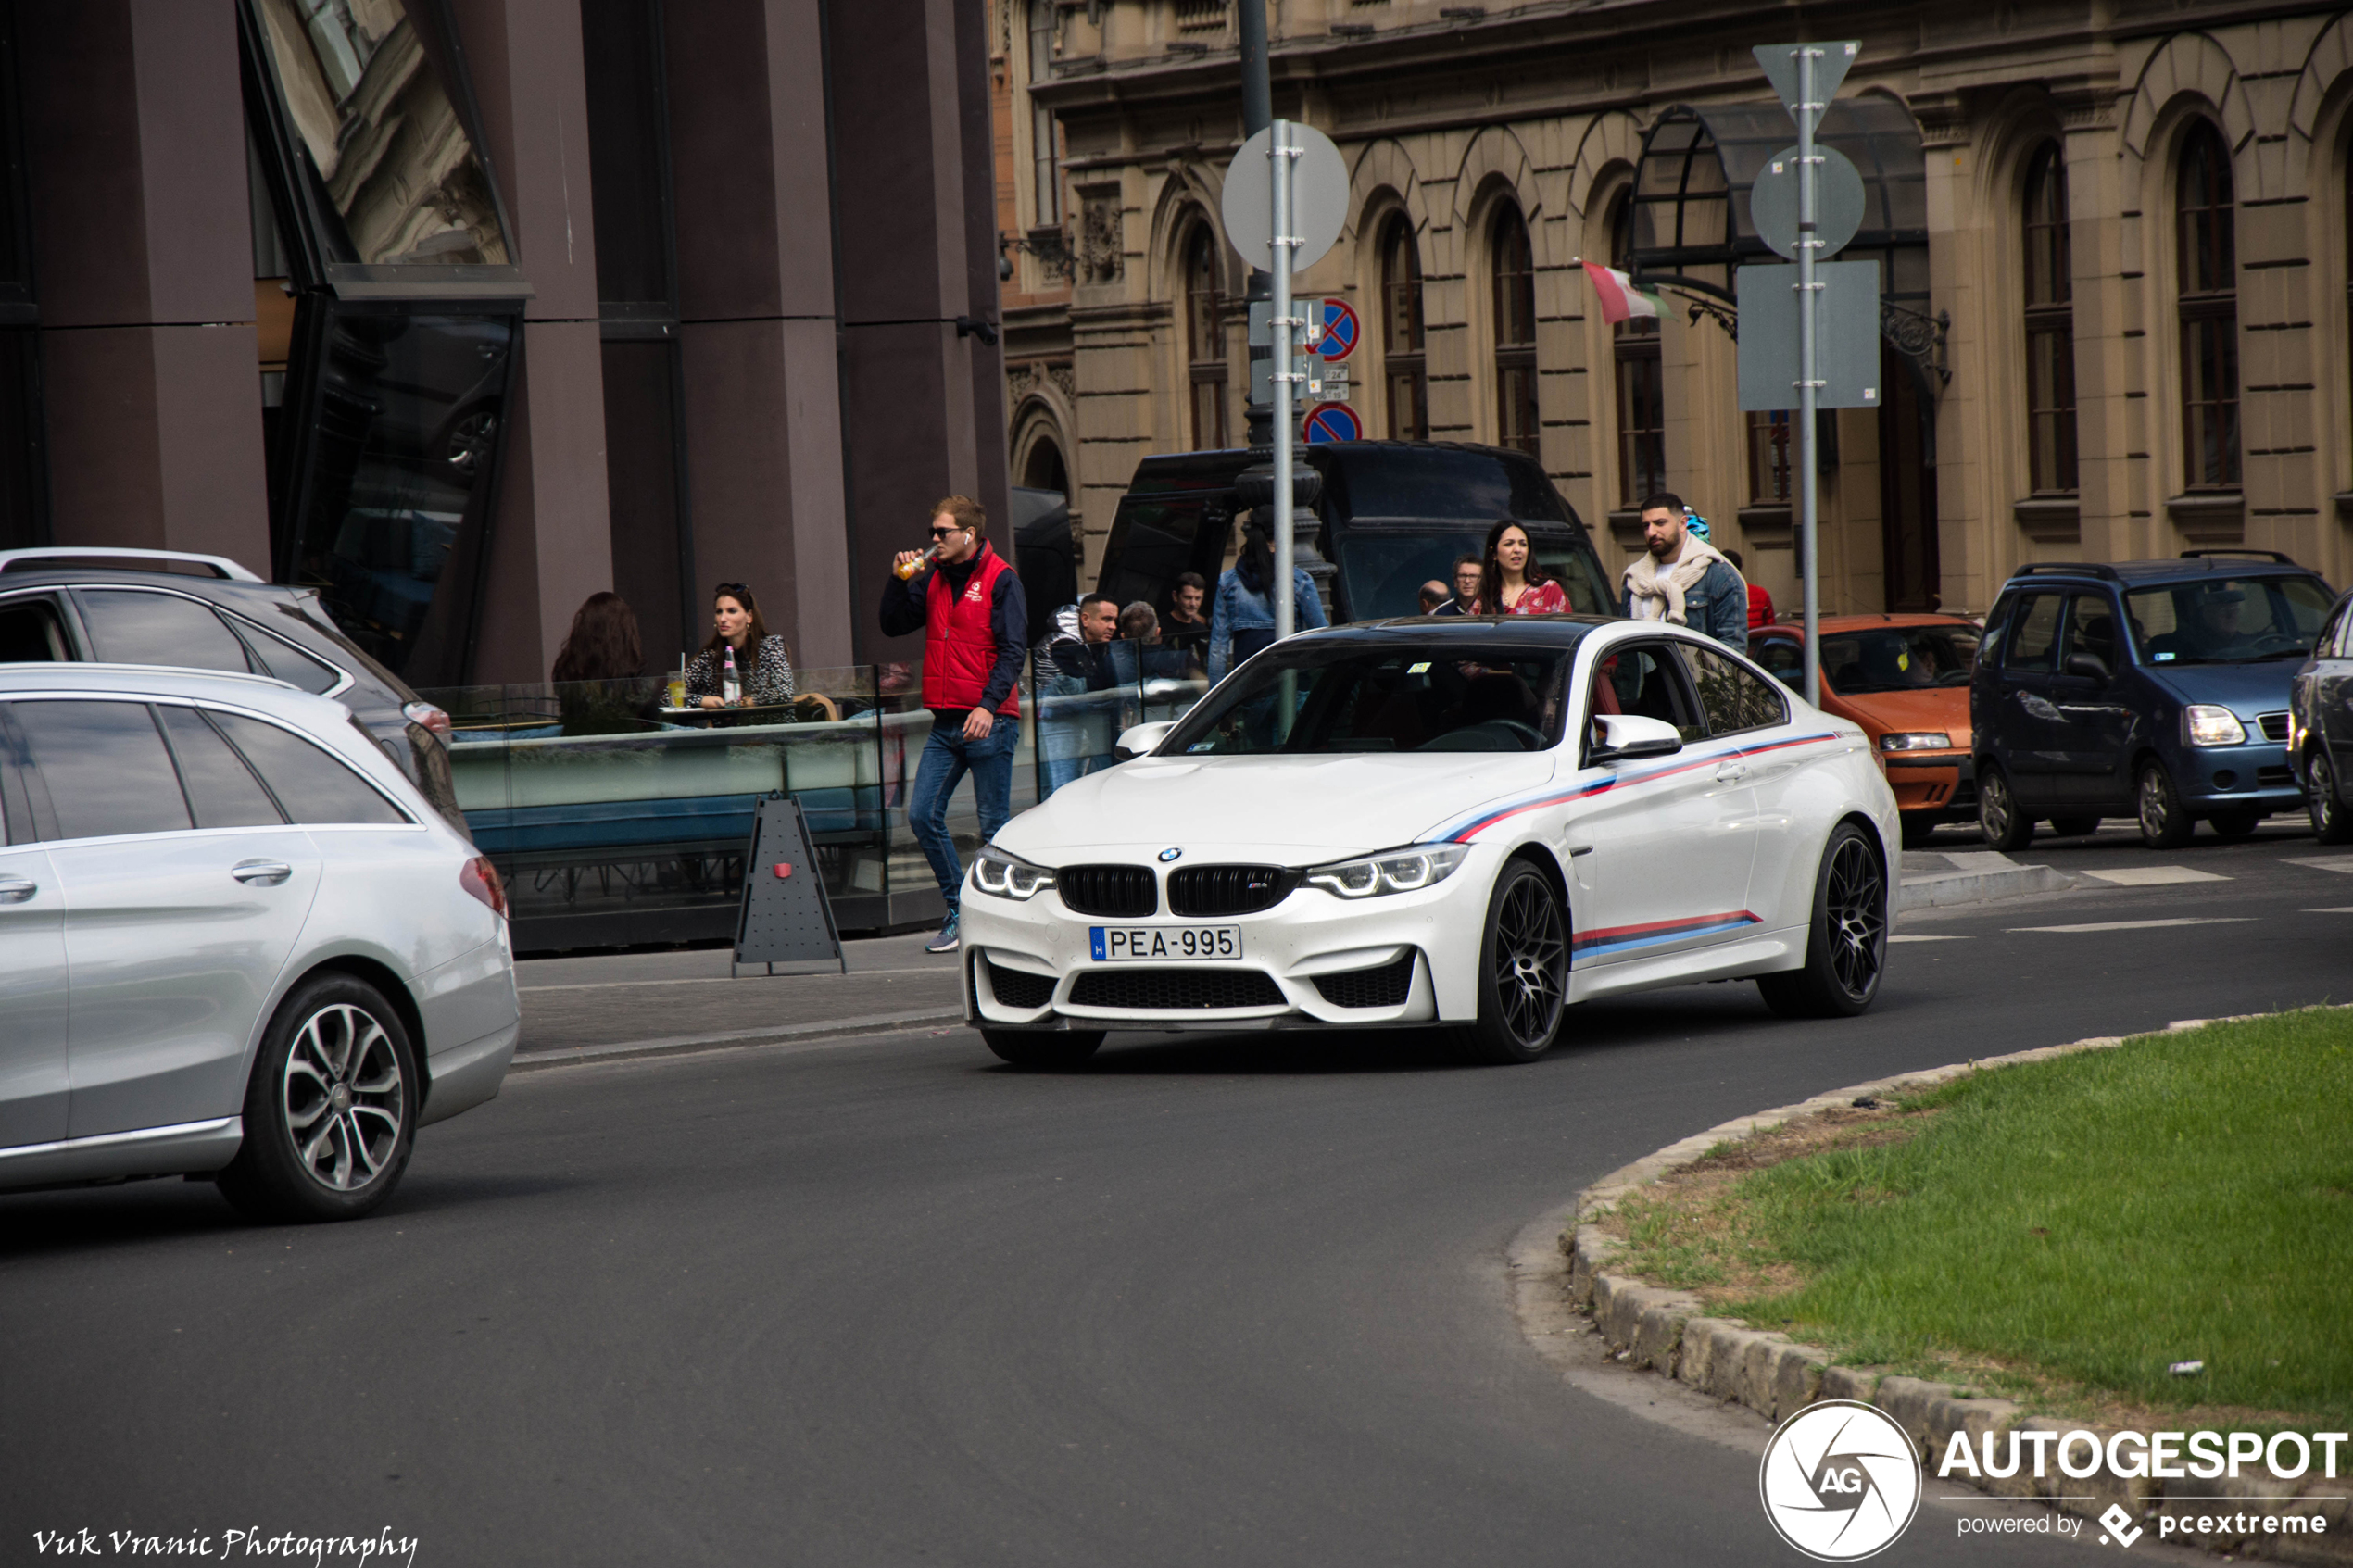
[(731, 687), (909, 569)]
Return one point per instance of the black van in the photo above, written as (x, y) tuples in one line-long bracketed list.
[(1394, 515)]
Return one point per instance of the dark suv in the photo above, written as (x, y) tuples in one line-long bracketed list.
[(2154, 689), (70, 605), (1393, 516)]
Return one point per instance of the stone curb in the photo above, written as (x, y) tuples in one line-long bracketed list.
[(1664, 1331), (1978, 887)]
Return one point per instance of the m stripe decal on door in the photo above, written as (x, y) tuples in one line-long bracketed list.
[(1626, 939)]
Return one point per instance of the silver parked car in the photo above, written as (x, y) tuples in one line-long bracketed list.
[(235, 941)]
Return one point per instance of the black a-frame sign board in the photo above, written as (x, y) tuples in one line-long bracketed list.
[(785, 926)]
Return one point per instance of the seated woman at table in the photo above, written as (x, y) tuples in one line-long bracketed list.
[(596, 671), (763, 669)]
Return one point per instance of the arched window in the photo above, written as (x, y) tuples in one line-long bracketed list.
[(1204, 339), (2208, 259), (1401, 300), (1641, 390), (1045, 133), (2050, 327), (1513, 265)]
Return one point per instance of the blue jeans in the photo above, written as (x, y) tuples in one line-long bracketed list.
[(1061, 770), (947, 757)]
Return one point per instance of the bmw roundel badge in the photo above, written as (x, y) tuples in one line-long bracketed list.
[(1171, 853)]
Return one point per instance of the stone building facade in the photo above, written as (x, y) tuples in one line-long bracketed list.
[(2115, 252)]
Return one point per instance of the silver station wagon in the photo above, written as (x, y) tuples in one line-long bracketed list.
[(235, 943)]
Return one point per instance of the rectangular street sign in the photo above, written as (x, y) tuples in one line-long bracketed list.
[(1846, 335)]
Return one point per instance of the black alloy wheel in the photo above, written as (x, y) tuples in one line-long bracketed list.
[(1523, 970), (1918, 828), (1846, 940), (2234, 824), (2076, 826), (1043, 1048), (2331, 823), (1997, 814), (330, 1113), (2164, 825)]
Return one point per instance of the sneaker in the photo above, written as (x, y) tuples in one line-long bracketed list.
[(946, 942)]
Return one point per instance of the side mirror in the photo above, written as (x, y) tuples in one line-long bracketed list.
[(1625, 736), (2091, 666), (1139, 739)]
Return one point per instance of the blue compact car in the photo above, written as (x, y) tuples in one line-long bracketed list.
[(2154, 689)]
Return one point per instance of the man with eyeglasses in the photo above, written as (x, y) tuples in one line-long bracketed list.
[(975, 622)]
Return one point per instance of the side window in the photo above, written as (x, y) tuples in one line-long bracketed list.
[(1730, 697), (133, 627), (1783, 656), (16, 811), (314, 787), (2034, 637), (105, 767), (2091, 628), (32, 633), (220, 787), (287, 662), (2342, 643), (1646, 679)]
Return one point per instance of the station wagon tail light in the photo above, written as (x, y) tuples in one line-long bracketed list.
[(1399, 870), (1009, 876), (479, 877), (2207, 723), (426, 716), (1915, 740)]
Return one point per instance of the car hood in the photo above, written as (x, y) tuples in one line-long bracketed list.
[(1280, 810), (1929, 708), (2246, 689)]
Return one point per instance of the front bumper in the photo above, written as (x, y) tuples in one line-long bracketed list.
[(1941, 786), (1030, 965), (2236, 778)]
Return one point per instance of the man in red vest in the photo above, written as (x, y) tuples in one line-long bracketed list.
[(969, 607)]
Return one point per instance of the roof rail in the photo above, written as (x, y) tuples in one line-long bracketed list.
[(2263, 555), (68, 554), (2072, 568)]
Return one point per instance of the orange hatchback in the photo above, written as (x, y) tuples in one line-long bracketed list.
[(1906, 679)]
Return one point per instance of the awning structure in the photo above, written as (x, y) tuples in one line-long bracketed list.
[(1691, 223)]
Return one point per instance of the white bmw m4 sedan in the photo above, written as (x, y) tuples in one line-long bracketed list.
[(1467, 825)]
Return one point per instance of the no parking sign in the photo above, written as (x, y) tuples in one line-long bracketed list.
[(1341, 330), (1332, 421)]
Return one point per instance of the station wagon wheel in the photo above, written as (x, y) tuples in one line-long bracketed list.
[(1846, 939), (330, 1113), (2330, 822), (1523, 970)]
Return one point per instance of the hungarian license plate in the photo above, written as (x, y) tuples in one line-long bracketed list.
[(1158, 944)]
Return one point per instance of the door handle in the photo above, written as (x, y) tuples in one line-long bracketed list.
[(1732, 773), (17, 889), (261, 873)]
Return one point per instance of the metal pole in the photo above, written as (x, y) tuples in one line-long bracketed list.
[(1280, 155), (1258, 112), (1808, 382)]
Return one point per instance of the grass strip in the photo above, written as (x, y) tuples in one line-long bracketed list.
[(2087, 1220)]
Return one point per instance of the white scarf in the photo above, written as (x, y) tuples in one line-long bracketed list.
[(1655, 592)]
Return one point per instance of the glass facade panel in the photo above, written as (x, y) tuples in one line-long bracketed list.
[(621, 53), (386, 161), (392, 506)]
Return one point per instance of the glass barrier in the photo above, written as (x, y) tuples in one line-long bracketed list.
[(618, 819)]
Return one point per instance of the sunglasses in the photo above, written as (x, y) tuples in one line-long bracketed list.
[(945, 532), (741, 591)]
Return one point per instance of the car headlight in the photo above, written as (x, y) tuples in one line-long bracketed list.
[(1916, 740), (1009, 876), (2207, 723), (1397, 871)]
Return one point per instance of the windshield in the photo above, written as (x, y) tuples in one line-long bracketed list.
[(1385, 571), (1323, 695), (2228, 620), (1898, 658), (1436, 481)]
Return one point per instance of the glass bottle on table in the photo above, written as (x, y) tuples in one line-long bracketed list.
[(731, 686)]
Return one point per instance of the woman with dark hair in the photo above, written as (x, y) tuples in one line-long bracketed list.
[(1243, 622), (603, 643), (1510, 580), (763, 671)]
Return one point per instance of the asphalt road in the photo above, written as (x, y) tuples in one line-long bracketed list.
[(880, 1301)]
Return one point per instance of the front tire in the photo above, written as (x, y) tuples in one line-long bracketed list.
[(2331, 822), (2164, 825), (2234, 824), (1523, 971), (1918, 829), (1997, 814), (2075, 827), (1043, 1048), (330, 1113), (1845, 941)]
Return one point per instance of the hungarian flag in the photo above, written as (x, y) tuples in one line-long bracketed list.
[(1620, 299)]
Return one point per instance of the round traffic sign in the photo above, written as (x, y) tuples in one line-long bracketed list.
[(1341, 332), (1838, 194), (1333, 421), (1318, 197)]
